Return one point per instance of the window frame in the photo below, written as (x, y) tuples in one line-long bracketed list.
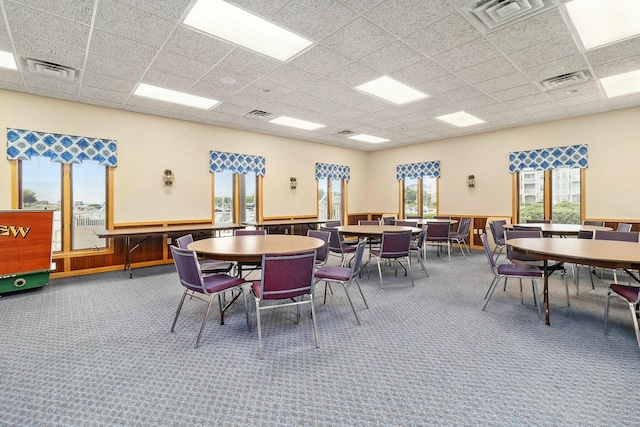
[(419, 196), (236, 198), (343, 196), (67, 209)]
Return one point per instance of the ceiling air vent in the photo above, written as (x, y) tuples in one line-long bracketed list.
[(490, 15), (49, 69), (565, 80), (258, 114), (345, 132)]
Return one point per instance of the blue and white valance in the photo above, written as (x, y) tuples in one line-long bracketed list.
[(418, 170), (23, 144), (236, 163), (325, 170), (573, 156)]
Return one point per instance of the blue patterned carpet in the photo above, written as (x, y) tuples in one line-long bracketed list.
[(97, 351)]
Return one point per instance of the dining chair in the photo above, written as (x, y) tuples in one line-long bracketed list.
[(333, 223), (619, 236), (368, 222), (322, 253), (624, 227), (596, 223), (438, 235), (388, 220), (393, 247), (518, 258), (497, 232), (252, 266), (417, 248), (344, 276), (582, 234), (509, 270), (631, 294), (337, 246), (461, 235), (405, 223), (538, 221), (285, 278), (204, 287), (206, 266)]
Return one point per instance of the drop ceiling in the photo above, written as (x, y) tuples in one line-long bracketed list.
[(495, 73)]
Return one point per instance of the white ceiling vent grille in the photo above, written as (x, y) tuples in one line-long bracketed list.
[(490, 15), (345, 132), (258, 114), (49, 69), (565, 80)]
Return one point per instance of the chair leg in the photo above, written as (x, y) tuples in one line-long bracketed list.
[(566, 287), (421, 263), (204, 322), (634, 314), (246, 308), (351, 303), (492, 288), (536, 299), (379, 272), (184, 295), (361, 294), (521, 293), (409, 269), (259, 328), (449, 250), (606, 311), (313, 318), (490, 285), (576, 274)]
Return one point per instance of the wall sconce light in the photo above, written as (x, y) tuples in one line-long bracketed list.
[(471, 181), (168, 177), (293, 182)]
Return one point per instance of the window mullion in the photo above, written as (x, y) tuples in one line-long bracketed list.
[(67, 208)]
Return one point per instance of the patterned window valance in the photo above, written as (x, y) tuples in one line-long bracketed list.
[(236, 163), (23, 144), (418, 170), (574, 156), (325, 170)]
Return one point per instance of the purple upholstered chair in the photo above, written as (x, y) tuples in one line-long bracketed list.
[(517, 258), (207, 267), (394, 246), (418, 246), (406, 223), (337, 245), (251, 266), (438, 235), (203, 287), (285, 277), (497, 232), (333, 223), (246, 232), (508, 270), (368, 222), (631, 294), (620, 236), (460, 236), (344, 276), (322, 253)]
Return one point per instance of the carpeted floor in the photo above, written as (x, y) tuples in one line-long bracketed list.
[(97, 351)]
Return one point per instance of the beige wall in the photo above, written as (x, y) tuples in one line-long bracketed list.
[(147, 145), (611, 179)]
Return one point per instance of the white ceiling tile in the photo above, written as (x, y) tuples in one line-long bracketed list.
[(617, 67), (249, 63), (325, 106), (491, 69), (614, 52), (298, 99), (516, 92), (442, 84), (33, 81), (436, 38), (43, 25), (459, 94), (121, 48), (104, 65), (350, 98), (531, 31), (556, 68), (45, 50), (215, 76), (502, 83), (526, 101), (469, 54), (146, 103), (476, 102), (263, 8), (105, 95), (373, 105), (402, 17), (196, 45), (135, 24), (575, 91), (180, 65), (100, 102), (290, 77), (419, 72), (361, 6), (214, 92), (52, 94), (109, 83), (10, 76), (172, 10), (392, 57), (349, 113), (245, 100), (278, 108), (319, 60), (548, 51), (76, 10), (267, 90), (586, 98), (357, 39), (232, 110), (353, 75), (313, 19), (323, 88), (167, 81)]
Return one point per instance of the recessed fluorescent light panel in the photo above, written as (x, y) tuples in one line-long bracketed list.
[(600, 22), (149, 91), (368, 138), (621, 84), (392, 90), (7, 60), (296, 123), (238, 26), (460, 119)]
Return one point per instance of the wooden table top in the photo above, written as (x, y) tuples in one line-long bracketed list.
[(561, 229), (132, 231), (251, 248), (373, 230), (600, 253)]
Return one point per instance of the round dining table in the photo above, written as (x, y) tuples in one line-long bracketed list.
[(373, 230), (250, 249), (599, 253)]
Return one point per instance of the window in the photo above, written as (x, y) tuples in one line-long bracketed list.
[(76, 192), (553, 194), (420, 197), (235, 197), (330, 200)]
